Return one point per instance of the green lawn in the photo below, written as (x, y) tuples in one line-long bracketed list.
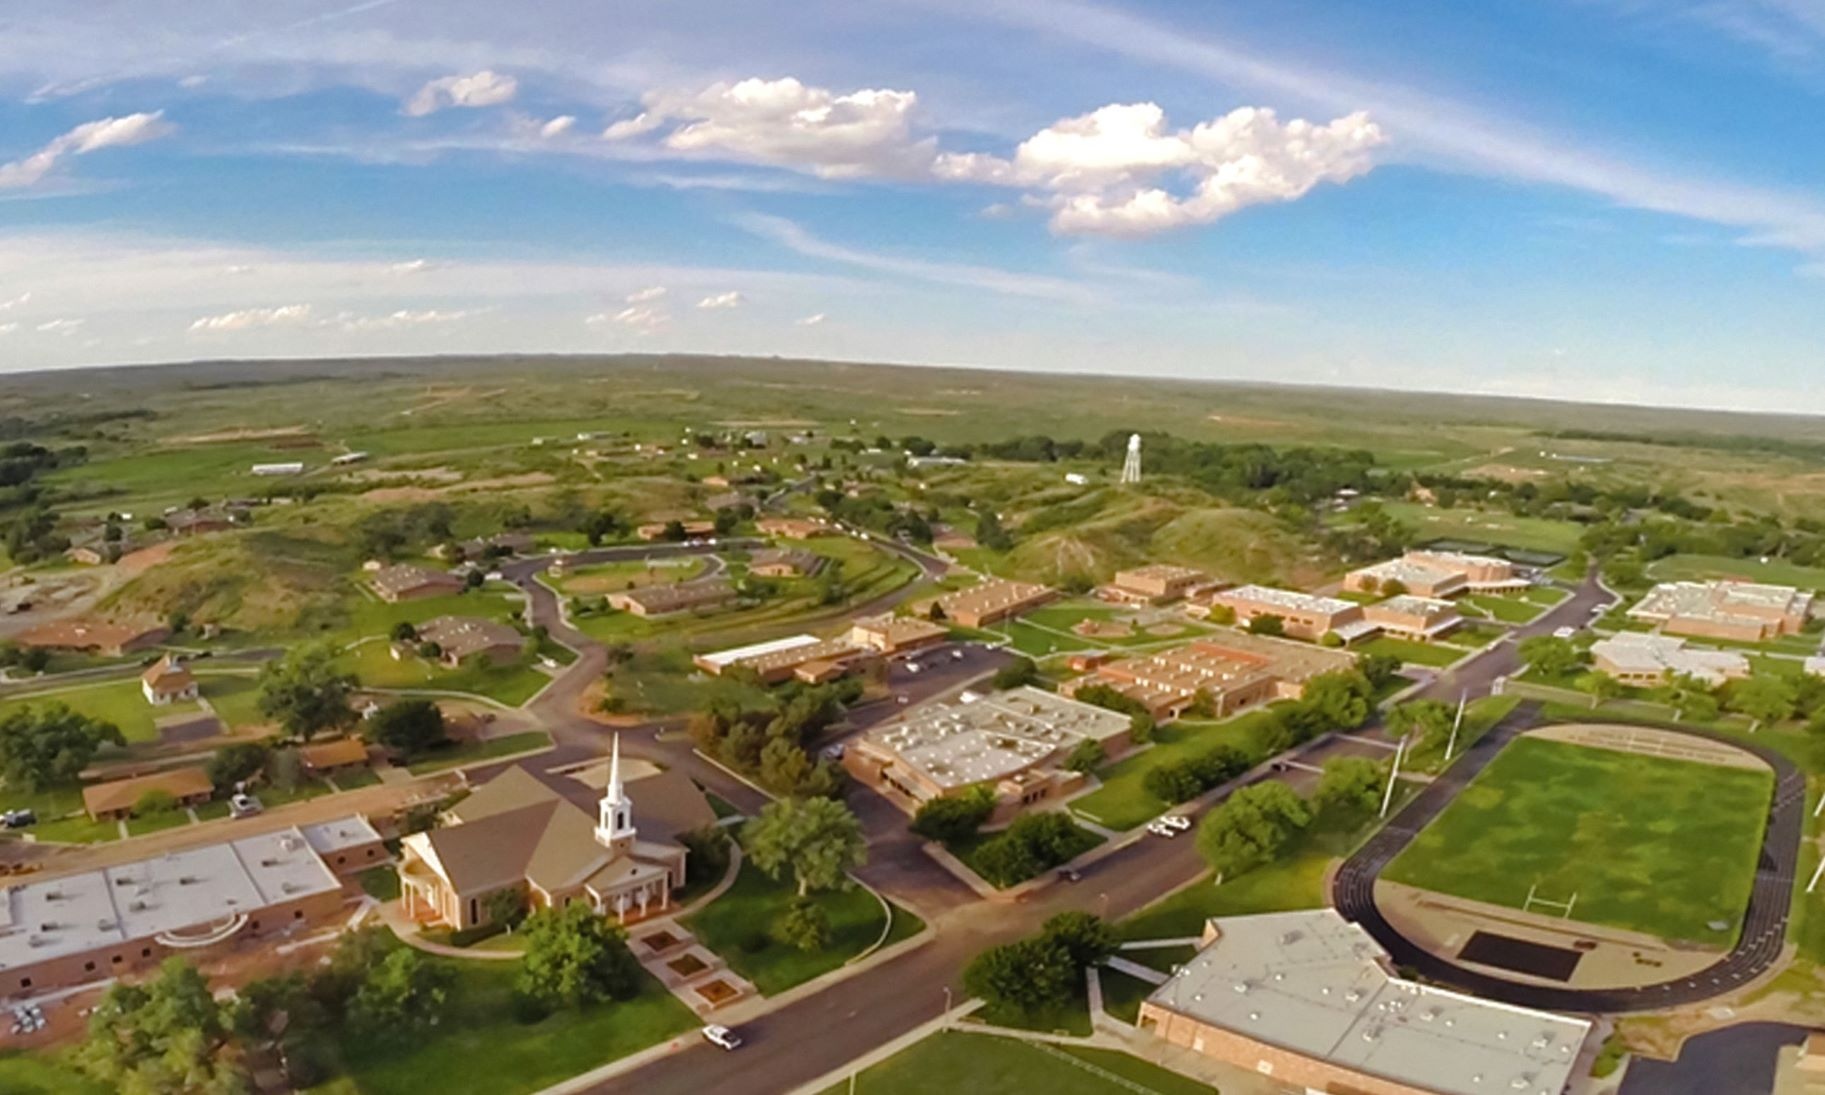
[(41, 1074), (1122, 802), (1646, 843), (1512, 610), (235, 697), (380, 883), (153, 823), (1480, 716), (376, 667), (1122, 994), (984, 1064), (738, 927), (1502, 529), (476, 752), (1675, 568), (1071, 1017), (117, 701), (1434, 654), (479, 1048)]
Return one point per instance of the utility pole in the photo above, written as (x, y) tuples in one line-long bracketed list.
[(1451, 745), (1387, 798)]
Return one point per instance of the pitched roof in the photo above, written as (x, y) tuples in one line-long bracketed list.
[(334, 754), (124, 794), (167, 675)]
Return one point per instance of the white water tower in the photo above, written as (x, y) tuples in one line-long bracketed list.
[(1131, 467)]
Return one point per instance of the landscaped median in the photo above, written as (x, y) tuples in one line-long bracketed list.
[(1123, 801), (990, 1064)]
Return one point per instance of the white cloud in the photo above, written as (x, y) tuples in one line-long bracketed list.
[(249, 318), (193, 81), (412, 266), (59, 326), (8, 328), (1109, 171), (9, 305), (721, 301), (403, 318), (129, 129), (786, 123), (811, 320), (484, 88), (558, 126), (641, 319), (647, 295)]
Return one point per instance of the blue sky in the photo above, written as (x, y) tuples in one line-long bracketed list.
[(1602, 199)]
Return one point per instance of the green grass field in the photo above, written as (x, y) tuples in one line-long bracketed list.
[(513, 684), (1511, 610), (38, 1074), (1676, 568), (984, 1064), (1647, 844), (1433, 654), (1501, 529), (738, 925), (1122, 802), (479, 751), (117, 701)]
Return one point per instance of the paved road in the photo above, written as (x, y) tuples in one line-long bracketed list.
[(1757, 950)]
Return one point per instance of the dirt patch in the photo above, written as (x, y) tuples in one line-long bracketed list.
[(1103, 629), (765, 423), (928, 412), (1506, 473), (439, 474), (224, 436), (135, 563), (526, 479), (401, 494)]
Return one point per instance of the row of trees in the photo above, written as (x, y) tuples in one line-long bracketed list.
[(1043, 972), (1256, 824), (770, 743)]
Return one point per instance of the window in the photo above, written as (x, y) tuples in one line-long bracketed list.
[(115, 960), (297, 914), (25, 982), (145, 952), (475, 912), (88, 967)]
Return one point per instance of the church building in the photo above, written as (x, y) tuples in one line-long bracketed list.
[(515, 834)]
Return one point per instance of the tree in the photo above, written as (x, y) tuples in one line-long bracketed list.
[(1267, 625), (1423, 721), (1029, 976), (817, 839), (1251, 827), (949, 819), (1378, 669), (784, 765), (1692, 698), (1764, 697), (1550, 656), (1337, 701), (404, 632), (1086, 757), (803, 925), (575, 957), (707, 853), (166, 1035), (1087, 939), (237, 763), (404, 993), (1016, 674), (306, 694), (505, 906), (1599, 686), (1350, 787), (1005, 861), (409, 727), (50, 745)]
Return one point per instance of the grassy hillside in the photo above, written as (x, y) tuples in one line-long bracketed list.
[(266, 580)]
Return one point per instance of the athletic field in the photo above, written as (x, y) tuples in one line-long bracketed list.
[(1648, 844)]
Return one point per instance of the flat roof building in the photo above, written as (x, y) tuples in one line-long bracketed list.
[(1013, 742), (1480, 572), (1311, 1000), (1302, 615), (895, 634), (1415, 618), (69, 930), (772, 662), (1634, 658), (1420, 579), (1232, 671), (1741, 611), (991, 601), (1155, 583)]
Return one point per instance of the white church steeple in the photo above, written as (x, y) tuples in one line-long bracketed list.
[(615, 813)]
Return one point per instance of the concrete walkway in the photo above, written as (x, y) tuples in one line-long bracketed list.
[(1135, 970)]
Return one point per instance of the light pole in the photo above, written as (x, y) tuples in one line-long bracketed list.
[(1387, 799), (1451, 745)]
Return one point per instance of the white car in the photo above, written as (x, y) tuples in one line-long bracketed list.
[(1159, 828), (1564, 632), (1178, 822), (721, 1037), (244, 805)]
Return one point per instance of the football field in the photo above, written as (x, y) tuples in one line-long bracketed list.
[(1649, 844)]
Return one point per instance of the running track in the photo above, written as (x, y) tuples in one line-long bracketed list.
[(1757, 950)]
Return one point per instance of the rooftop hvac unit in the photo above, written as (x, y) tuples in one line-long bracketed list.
[(136, 906), (187, 880), (47, 927), (269, 863)]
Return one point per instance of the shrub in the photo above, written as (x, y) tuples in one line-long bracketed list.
[(950, 819)]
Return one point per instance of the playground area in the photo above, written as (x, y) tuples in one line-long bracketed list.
[(1583, 837)]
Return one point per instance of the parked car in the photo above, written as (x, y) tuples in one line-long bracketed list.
[(1159, 828), (834, 752), (721, 1037), (1564, 632), (244, 805), (18, 819), (1070, 874), (1176, 821), (957, 655)]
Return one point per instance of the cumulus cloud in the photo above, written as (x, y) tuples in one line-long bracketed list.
[(129, 129), (1122, 170), (647, 295), (59, 326), (249, 318), (811, 320), (8, 328), (9, 305), (641, 319), (484, 88), (413, 266), (787, 123), (558, 126), (721, 301)]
